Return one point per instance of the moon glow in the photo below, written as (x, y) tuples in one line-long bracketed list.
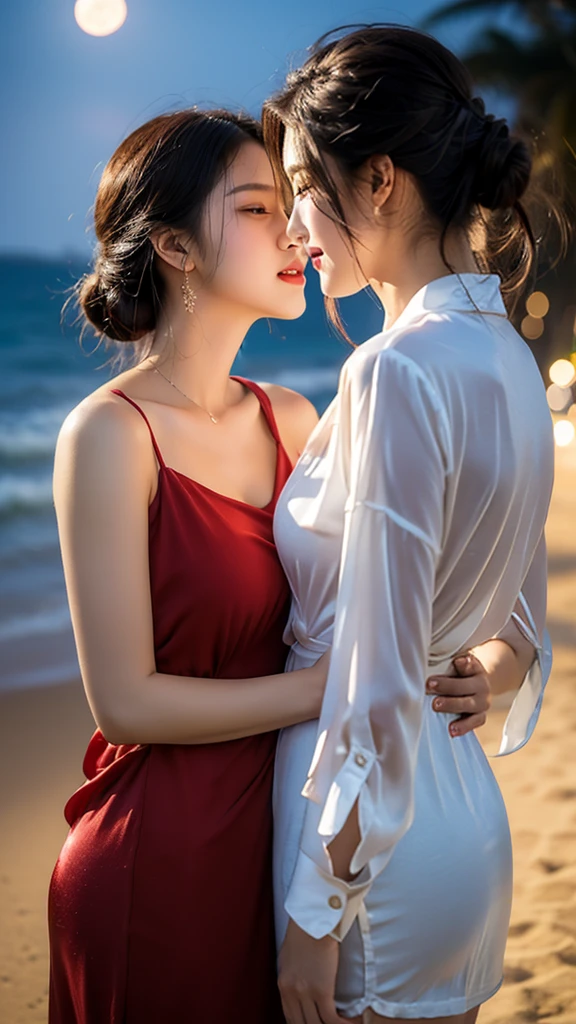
[(100, 17)]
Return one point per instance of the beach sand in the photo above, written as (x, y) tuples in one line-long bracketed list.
[(44, 732)]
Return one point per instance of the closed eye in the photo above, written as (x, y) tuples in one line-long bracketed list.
[(254, 209)]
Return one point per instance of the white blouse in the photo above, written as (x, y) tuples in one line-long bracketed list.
[(432, 470)]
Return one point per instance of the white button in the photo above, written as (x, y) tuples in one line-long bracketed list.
[(360, 760), (335, 902)]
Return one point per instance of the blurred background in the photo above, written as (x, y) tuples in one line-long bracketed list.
[(76, 79)]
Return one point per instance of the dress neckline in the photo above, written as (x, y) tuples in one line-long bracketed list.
[(266, 407), (218, 494)]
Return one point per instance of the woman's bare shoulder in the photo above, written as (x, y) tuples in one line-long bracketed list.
[(295, 416), (103, 433), (104, 414)]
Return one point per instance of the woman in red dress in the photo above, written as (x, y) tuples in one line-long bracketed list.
[(166, 480)]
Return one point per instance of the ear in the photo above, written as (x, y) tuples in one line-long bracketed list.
[(174, 247), (381, 174)]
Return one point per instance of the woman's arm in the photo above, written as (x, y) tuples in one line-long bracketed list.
[(486, 671), (518, 659), (506, 665), (489, 669), (103, 478)]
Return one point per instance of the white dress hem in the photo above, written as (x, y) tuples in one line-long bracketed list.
[(412, 1011)]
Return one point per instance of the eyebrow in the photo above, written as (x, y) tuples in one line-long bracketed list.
[(252, 186)]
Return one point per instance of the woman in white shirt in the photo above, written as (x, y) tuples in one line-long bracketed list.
[(410, 530)]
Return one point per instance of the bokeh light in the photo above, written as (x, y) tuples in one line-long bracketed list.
[(559, 399), (100, 17), (532, 327), (563, 373), (537, 304), (564, 433)]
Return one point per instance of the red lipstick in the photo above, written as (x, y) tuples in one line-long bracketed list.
[(316, 255), (293, 273)]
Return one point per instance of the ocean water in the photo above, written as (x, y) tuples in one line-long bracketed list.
[(44, 373)]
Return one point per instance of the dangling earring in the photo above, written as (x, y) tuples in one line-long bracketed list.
[(188, 294)]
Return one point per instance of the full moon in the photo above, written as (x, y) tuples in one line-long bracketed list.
[(100, 17)]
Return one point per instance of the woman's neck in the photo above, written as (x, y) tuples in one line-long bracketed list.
[(416, 266), (196, 350)]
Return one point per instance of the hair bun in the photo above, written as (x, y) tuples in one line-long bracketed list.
[(112, 309), (503, 166), (92, 297)]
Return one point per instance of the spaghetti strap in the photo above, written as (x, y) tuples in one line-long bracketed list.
[(266, 406), (116, 391)]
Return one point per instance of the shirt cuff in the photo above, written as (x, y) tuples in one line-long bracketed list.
[(525, 709), (344, 789), (323, 904)]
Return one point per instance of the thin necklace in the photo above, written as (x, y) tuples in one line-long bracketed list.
[(183, 393)]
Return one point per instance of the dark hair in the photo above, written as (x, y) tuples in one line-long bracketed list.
[(162, 174), (394, 91)]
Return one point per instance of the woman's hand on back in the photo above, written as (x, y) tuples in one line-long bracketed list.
[(467, 694), (490, 669)]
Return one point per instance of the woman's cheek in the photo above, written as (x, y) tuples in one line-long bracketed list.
[(242, 251), (246, 274)]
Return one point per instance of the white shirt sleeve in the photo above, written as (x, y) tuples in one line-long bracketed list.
[(529, 617), (393, 436)]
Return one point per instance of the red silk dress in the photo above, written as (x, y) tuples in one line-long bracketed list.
[(160, 905)]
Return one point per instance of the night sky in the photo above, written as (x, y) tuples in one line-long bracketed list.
[(69, 98)]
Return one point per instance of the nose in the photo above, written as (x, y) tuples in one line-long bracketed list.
[(296, 229)]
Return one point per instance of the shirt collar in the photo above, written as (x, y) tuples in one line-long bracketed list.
[(455, 293)]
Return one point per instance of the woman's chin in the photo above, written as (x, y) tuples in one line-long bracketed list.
[(339, 283), (291, 311), (333, 290)]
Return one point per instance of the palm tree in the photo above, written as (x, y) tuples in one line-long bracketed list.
[(537, 68)]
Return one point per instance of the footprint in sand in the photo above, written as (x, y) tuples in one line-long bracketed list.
[(568, 956), (514, 975), (515, 931), (549, 1001), (551, 866), (562, 794)]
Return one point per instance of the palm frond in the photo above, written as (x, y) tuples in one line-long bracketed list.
[(546, 14), (459, 8)]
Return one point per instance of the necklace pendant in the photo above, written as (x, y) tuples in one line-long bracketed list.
[(213, 418)]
